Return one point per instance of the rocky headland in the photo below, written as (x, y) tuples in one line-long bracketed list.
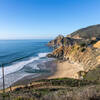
[(81, 47)]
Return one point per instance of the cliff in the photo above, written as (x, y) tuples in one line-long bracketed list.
[(86, 57), (86, 53)]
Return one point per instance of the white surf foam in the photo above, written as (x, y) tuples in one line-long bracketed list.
[(42, 54), (17, 66)]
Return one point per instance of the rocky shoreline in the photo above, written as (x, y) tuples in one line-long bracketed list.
[(75, 48)]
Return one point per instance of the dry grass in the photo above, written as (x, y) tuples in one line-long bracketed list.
[(55, 89)]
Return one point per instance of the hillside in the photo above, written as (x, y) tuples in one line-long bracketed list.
[(87, 33), (56, 89)]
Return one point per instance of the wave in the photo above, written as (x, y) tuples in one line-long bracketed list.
[(42, 54), (19, 65)]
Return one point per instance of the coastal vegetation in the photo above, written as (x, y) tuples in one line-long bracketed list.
[(55, 89)]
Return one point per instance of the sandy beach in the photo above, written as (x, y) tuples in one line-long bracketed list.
[(66, 69)]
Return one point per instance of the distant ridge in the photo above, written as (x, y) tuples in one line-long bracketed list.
[(87, 33)]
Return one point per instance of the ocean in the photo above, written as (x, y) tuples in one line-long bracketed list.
[(21, 57)]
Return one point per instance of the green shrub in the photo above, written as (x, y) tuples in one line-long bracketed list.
[(82, 44), (83, 49), (93, 41), (93, 75)]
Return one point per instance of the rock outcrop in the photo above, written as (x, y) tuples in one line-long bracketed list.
[(58, 41), (63, 41)]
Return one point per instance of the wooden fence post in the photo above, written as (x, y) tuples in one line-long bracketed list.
[(3, 78)]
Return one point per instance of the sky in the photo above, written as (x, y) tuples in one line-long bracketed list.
[(45, 19)]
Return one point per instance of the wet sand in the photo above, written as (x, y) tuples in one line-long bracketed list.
[(50, 66)]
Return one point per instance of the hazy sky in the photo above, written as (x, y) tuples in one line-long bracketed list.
[(27, 19)]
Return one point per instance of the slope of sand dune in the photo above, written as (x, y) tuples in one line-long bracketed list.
[(66, 69)]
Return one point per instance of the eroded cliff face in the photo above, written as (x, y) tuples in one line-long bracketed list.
[(85, 56)]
